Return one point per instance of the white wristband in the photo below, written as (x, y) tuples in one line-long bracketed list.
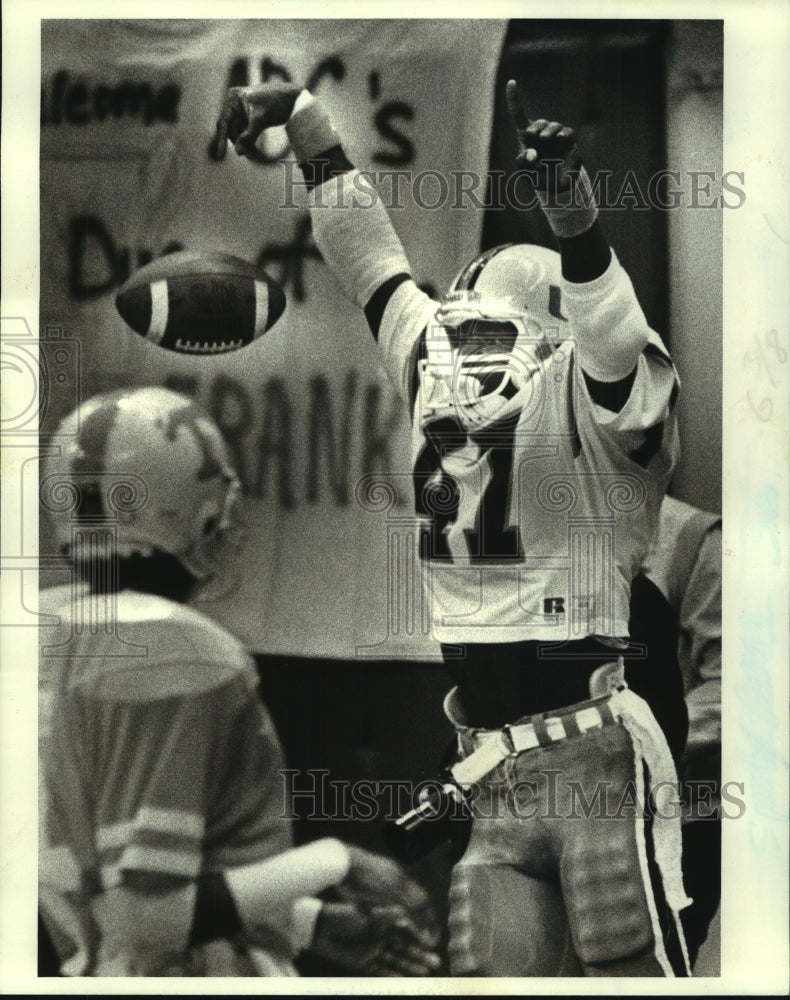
[(571, 212), (302, 101), (310, 128)]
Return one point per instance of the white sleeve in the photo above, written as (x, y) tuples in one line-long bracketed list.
[(653, 395), (606, 322), (406, 317), (267, 889), (357, 240), (646, 428), (305, 913), (355, 235)]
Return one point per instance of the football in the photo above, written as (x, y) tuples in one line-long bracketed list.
[(197, 303)]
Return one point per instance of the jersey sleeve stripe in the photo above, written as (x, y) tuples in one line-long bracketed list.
[(170, 821), (150, 859), (175, 823), (154, 841), (110, 837)]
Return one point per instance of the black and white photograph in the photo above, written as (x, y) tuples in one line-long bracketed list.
[(395, 539)]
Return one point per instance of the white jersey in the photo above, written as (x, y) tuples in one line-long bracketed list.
[(537, 504), (156, 755)]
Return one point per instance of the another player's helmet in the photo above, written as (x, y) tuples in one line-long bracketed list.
[(146, 466), (500, 313)]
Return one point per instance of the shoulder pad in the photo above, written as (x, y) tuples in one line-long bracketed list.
[(174, 652)]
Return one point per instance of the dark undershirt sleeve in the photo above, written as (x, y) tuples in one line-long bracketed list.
[(610, 395), (215, 914), (377, 303), (585, 257), (325, 166)]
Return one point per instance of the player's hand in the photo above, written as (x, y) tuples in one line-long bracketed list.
[(375, 884), (375, 880), (547, 149), (375, 940), (246, 112)]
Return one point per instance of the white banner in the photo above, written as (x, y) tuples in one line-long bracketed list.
[(127, 112)]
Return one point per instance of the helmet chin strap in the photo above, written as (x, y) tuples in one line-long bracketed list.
[(200, 566), (214, 580), (214, 574)]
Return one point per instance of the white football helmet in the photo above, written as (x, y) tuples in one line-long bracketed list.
[(515, 281), (496, 324), (148, 464)]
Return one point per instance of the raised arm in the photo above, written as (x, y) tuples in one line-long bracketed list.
[(351, 226), (608, 324), (360, 245)]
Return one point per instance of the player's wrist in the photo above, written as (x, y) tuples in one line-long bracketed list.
[(303, 100), (306, 916), (309, 128), (573, 210)]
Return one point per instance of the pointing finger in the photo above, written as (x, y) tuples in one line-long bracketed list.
[(219, 143), (515, 106)]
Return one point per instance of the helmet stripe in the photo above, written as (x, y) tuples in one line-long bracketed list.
[(160, 308), (467, 279), (89, 459), (92, 438), (261, 307)]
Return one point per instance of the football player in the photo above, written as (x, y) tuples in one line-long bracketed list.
[(164, 845), (544, 435), (684, 561)]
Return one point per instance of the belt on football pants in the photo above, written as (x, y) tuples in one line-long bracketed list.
[(493, 746), (618, 705)]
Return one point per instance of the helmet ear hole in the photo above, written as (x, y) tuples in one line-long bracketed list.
[(210, 526)]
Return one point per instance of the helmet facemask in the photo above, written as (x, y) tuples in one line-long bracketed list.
[(489, 354), (221, 531)]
